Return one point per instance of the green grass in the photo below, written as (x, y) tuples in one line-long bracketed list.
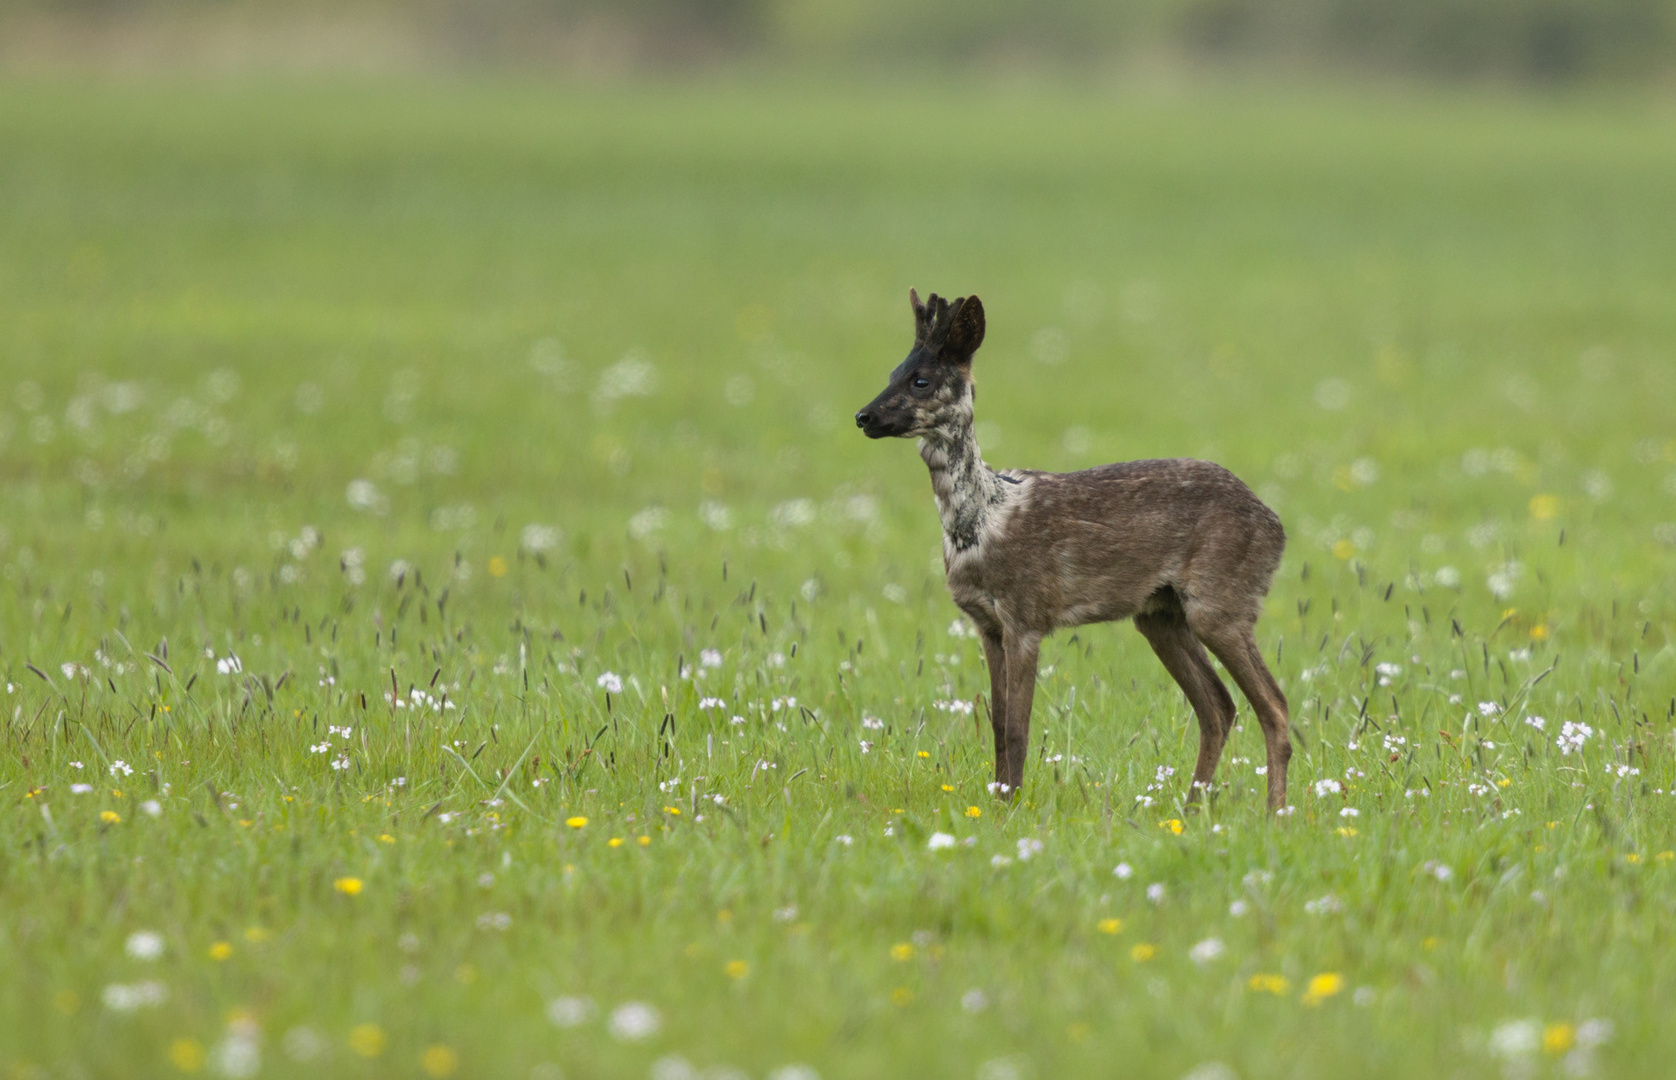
[(1436, 333)]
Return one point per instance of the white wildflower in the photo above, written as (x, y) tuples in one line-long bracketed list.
[(240, 1053), (119, 997), (539, 538), (1593, 1033), (303, 1044), (1572, 737), (569, 1012), (635, 1020), (676, 1067), (144, 945), (1516, 1039)]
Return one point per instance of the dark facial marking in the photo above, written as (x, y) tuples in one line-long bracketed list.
[(928, 390)]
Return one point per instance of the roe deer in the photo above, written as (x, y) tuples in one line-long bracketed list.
[(1181, 546)]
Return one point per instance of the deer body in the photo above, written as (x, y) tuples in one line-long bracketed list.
[(1180, 546)]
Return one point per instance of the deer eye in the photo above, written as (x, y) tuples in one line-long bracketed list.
[(921, 384)]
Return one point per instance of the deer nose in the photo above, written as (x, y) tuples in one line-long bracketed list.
[(863, 418)]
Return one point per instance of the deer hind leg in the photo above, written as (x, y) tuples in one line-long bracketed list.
[(1022, 652), (995, 656), (1236, 647), (1184, 658)]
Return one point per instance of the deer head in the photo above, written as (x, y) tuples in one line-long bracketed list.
[(931, 390)]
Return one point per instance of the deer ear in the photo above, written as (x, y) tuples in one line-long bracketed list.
[(965, 331)]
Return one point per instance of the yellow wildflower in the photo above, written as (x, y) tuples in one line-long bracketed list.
[(675, 810), (110, 817), (948, 787), (367, 1040), (973, 811), (348, 886), (221, 950), (1270, 984), (576, 822), (1557, 1038), (1110, 926), (1322, 987), (1174, 825), (1143, 952), (901, 995), (497, 566), (386, 838), (901, 951), (615, 841), (187, 1055), (736, 969), (644, 841), (439, 1061)]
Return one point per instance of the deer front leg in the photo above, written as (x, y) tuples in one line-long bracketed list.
[(996, 658), (1022, 652)]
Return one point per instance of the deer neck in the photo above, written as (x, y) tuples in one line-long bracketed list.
[(967, 490)]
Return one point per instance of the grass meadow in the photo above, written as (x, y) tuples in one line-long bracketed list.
[(450, 625)]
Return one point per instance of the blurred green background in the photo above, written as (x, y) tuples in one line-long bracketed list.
[(508, 352), (1547, 41)]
